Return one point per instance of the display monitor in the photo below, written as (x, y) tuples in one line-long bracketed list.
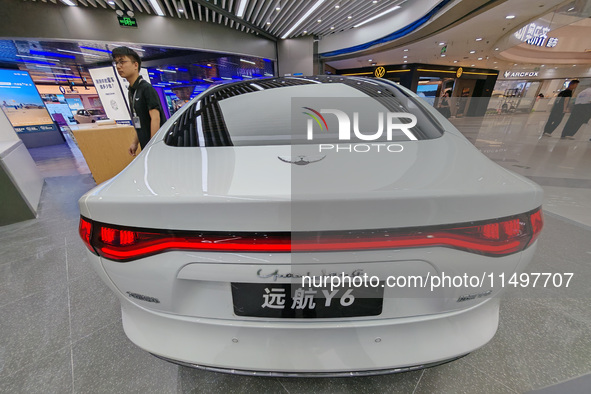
[(22, 103)]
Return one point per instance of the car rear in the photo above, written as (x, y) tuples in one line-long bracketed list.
[(227, 256)]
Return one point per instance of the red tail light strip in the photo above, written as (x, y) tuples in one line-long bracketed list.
[(492, 238)]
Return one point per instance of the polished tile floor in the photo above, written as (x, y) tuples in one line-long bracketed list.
[(60, 327)]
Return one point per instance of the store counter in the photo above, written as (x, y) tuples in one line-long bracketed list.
[(20, 183), (105, 148)]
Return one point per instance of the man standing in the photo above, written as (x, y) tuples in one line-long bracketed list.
[(145, 108), (580, 115), (560, 108)]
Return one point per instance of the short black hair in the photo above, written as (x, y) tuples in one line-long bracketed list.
[(125, 51), (574, 81)]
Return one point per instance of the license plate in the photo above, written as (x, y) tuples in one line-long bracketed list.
[(284, 300)]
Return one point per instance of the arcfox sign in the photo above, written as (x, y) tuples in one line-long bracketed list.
[(509, 74)]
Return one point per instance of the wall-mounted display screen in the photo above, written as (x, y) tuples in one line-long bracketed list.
[(22, 103)]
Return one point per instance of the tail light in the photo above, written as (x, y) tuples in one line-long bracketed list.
[(495, 238)]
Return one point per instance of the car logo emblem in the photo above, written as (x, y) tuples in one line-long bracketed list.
[(301, 160)]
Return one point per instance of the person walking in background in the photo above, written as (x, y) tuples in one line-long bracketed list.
[(145, 108), (580, 115), (444, 107), (560, 108)]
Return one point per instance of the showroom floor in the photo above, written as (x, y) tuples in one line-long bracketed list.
[(60, 327)]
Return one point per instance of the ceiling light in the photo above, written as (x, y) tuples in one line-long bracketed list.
[(374, 1), (574, 65), (443, 55), (241, 8), (156, 7), (38, 57), (479, 39), (455, 61), (337, 6), (406, 61), (42, 53), (181, 10), (96, 49), (278, 9), (406, 50), (349, 17), (442, 43), (472, 51), (479, 58), (373, 64), (332, 28), (541, 66), (268, 23), (303, 18), (305, 31), (247, 61), (570, 9), (472, 65), (405, 57), (68, 2), (370, 60), (319, 20), (496, 49), (377, 16), (510, 17), (111, 2), (79, 53)]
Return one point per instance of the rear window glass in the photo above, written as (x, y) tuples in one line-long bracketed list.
[(275, 111)]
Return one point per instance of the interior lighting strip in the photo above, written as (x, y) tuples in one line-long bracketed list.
[(377, 16), (303, 18)]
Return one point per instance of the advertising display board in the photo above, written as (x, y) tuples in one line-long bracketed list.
[(110, 92), (22, 103)]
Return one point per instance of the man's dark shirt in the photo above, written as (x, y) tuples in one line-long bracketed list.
[(146, 99), (559, 103)]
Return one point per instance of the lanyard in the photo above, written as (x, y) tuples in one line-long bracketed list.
[(132, 99)]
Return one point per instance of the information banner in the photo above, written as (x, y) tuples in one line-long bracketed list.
[(110, 93), (145, 75), (22, 103)]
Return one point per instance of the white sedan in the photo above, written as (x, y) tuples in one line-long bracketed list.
[(269, 229)]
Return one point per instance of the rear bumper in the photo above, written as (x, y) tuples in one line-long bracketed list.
[(311, 348)]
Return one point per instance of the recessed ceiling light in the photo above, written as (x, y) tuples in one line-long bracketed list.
[(479, 58), (442, 43), (337, 6), (479, 39), (332, 28), (278, 9), (570, 9), (574, 65), (455, 61), (472, 51), (405, 57), (406, 61), (181, 10), (496, 49), (406, 50), (349, 17), (515, 64), (370, 60), (510, 17), (541, 66), (472, 65), (374, 1), (268, 23), (305, 31), (319, 20), (373, 64), (443, 55)]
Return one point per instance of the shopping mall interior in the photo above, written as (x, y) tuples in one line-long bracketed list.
[(502, 62)]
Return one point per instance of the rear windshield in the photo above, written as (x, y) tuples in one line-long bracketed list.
[(284, 111)]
